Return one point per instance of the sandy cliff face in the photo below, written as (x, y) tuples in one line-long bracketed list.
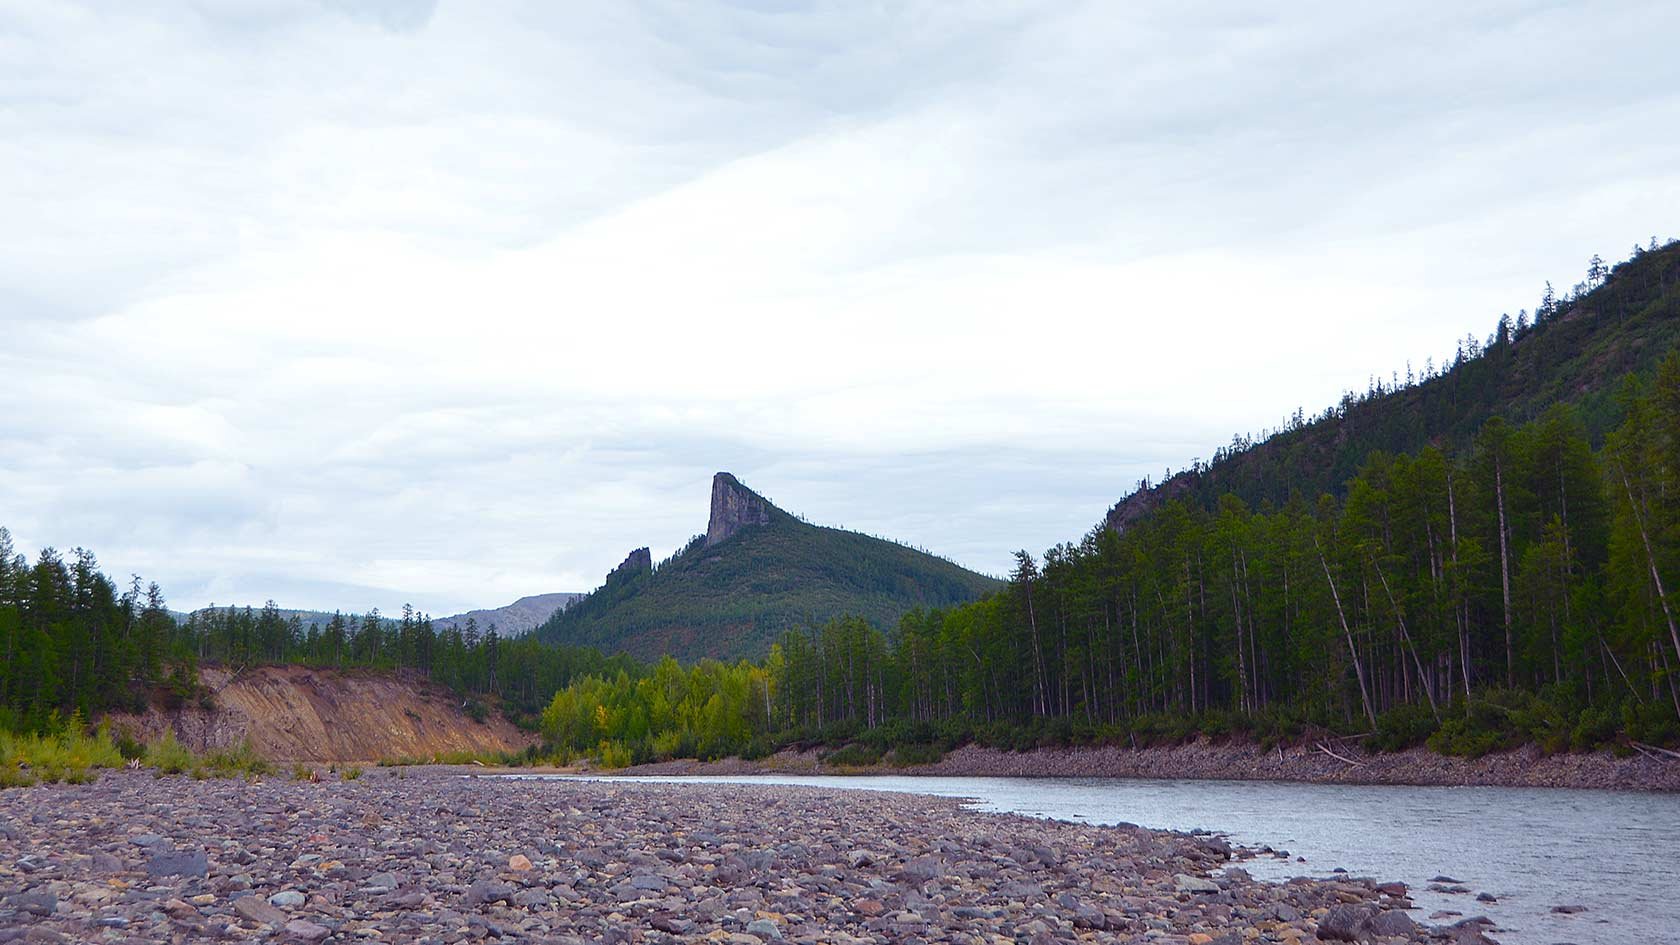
[(294, 713)]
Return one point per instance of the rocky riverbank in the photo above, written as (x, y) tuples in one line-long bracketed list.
[(426, 855), (1525, 767)]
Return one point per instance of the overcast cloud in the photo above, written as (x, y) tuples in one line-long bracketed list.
[(355, 303)]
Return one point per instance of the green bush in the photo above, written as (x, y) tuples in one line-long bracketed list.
[(236, 760), (854, 755), (1593, 729), (1402, 728), (67, 754), (904, 756), (129, 747), (613, 755), (169, 756)]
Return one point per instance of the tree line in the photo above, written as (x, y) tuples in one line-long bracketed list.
[(74, 644), (1521, 589)]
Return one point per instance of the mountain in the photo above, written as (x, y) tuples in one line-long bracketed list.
[(756, 572), (515, 619), (521, 616), (1620, 321)]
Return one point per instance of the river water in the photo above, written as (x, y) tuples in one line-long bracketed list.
[(1617, 854)]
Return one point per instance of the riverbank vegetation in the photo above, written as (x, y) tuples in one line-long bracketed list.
[(72, 753)]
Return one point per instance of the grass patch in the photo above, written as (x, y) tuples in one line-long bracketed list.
[(240, 760)]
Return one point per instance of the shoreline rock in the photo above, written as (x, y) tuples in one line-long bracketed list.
[(1237, 761)]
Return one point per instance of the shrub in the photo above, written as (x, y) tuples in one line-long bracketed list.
[(1594, 727), (613, 755), (350, 773), (905, 756), (854, 755), (236, 760), (169, 756), (1402, 728)]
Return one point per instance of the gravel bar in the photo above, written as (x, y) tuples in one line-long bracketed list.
[(430, 855)]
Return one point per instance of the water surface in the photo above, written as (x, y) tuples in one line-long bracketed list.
[(1534, 848)]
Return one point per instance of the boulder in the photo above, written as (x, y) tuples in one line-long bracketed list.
[(1344, 923), (177, 863), (1391, 922), (1184, 882), (35, 902)]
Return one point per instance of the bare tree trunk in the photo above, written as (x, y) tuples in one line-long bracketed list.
[(1042, 705), (1460, 607), (1353, 650), (1651, 560), (1400, 618), (1504, 568), (1237, 614)]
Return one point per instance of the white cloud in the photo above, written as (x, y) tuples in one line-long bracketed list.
[(351, 304)]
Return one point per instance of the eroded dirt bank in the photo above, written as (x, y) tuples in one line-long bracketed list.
[(295, 713), (1526, 767)]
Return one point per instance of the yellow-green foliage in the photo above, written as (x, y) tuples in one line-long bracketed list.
[(350, 773), (235, 761), (709, 710), (301, 772), (613, 755), (169, 756), (70, 755)]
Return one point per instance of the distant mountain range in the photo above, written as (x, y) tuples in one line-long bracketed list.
[(756, 572), (515, 619), (519, 617)]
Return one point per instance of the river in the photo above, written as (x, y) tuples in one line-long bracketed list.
[(1533, 848)]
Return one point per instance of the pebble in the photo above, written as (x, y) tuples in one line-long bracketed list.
[(287, 899), (252, 909)]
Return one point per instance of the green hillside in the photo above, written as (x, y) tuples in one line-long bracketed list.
[(732, 592), (1576, 351)]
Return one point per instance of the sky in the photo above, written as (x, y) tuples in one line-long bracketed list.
[(351, 304)]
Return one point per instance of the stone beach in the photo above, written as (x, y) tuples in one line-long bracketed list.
[(430, 855)]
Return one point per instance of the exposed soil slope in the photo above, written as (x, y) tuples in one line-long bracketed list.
[(295, 713)]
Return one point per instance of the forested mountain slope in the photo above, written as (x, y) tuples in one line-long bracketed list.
[(1481, 559), (1576, 350), (757, 572)]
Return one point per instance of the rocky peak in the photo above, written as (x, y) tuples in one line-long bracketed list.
[(1135, 507), (734, 507), (635, 563)]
